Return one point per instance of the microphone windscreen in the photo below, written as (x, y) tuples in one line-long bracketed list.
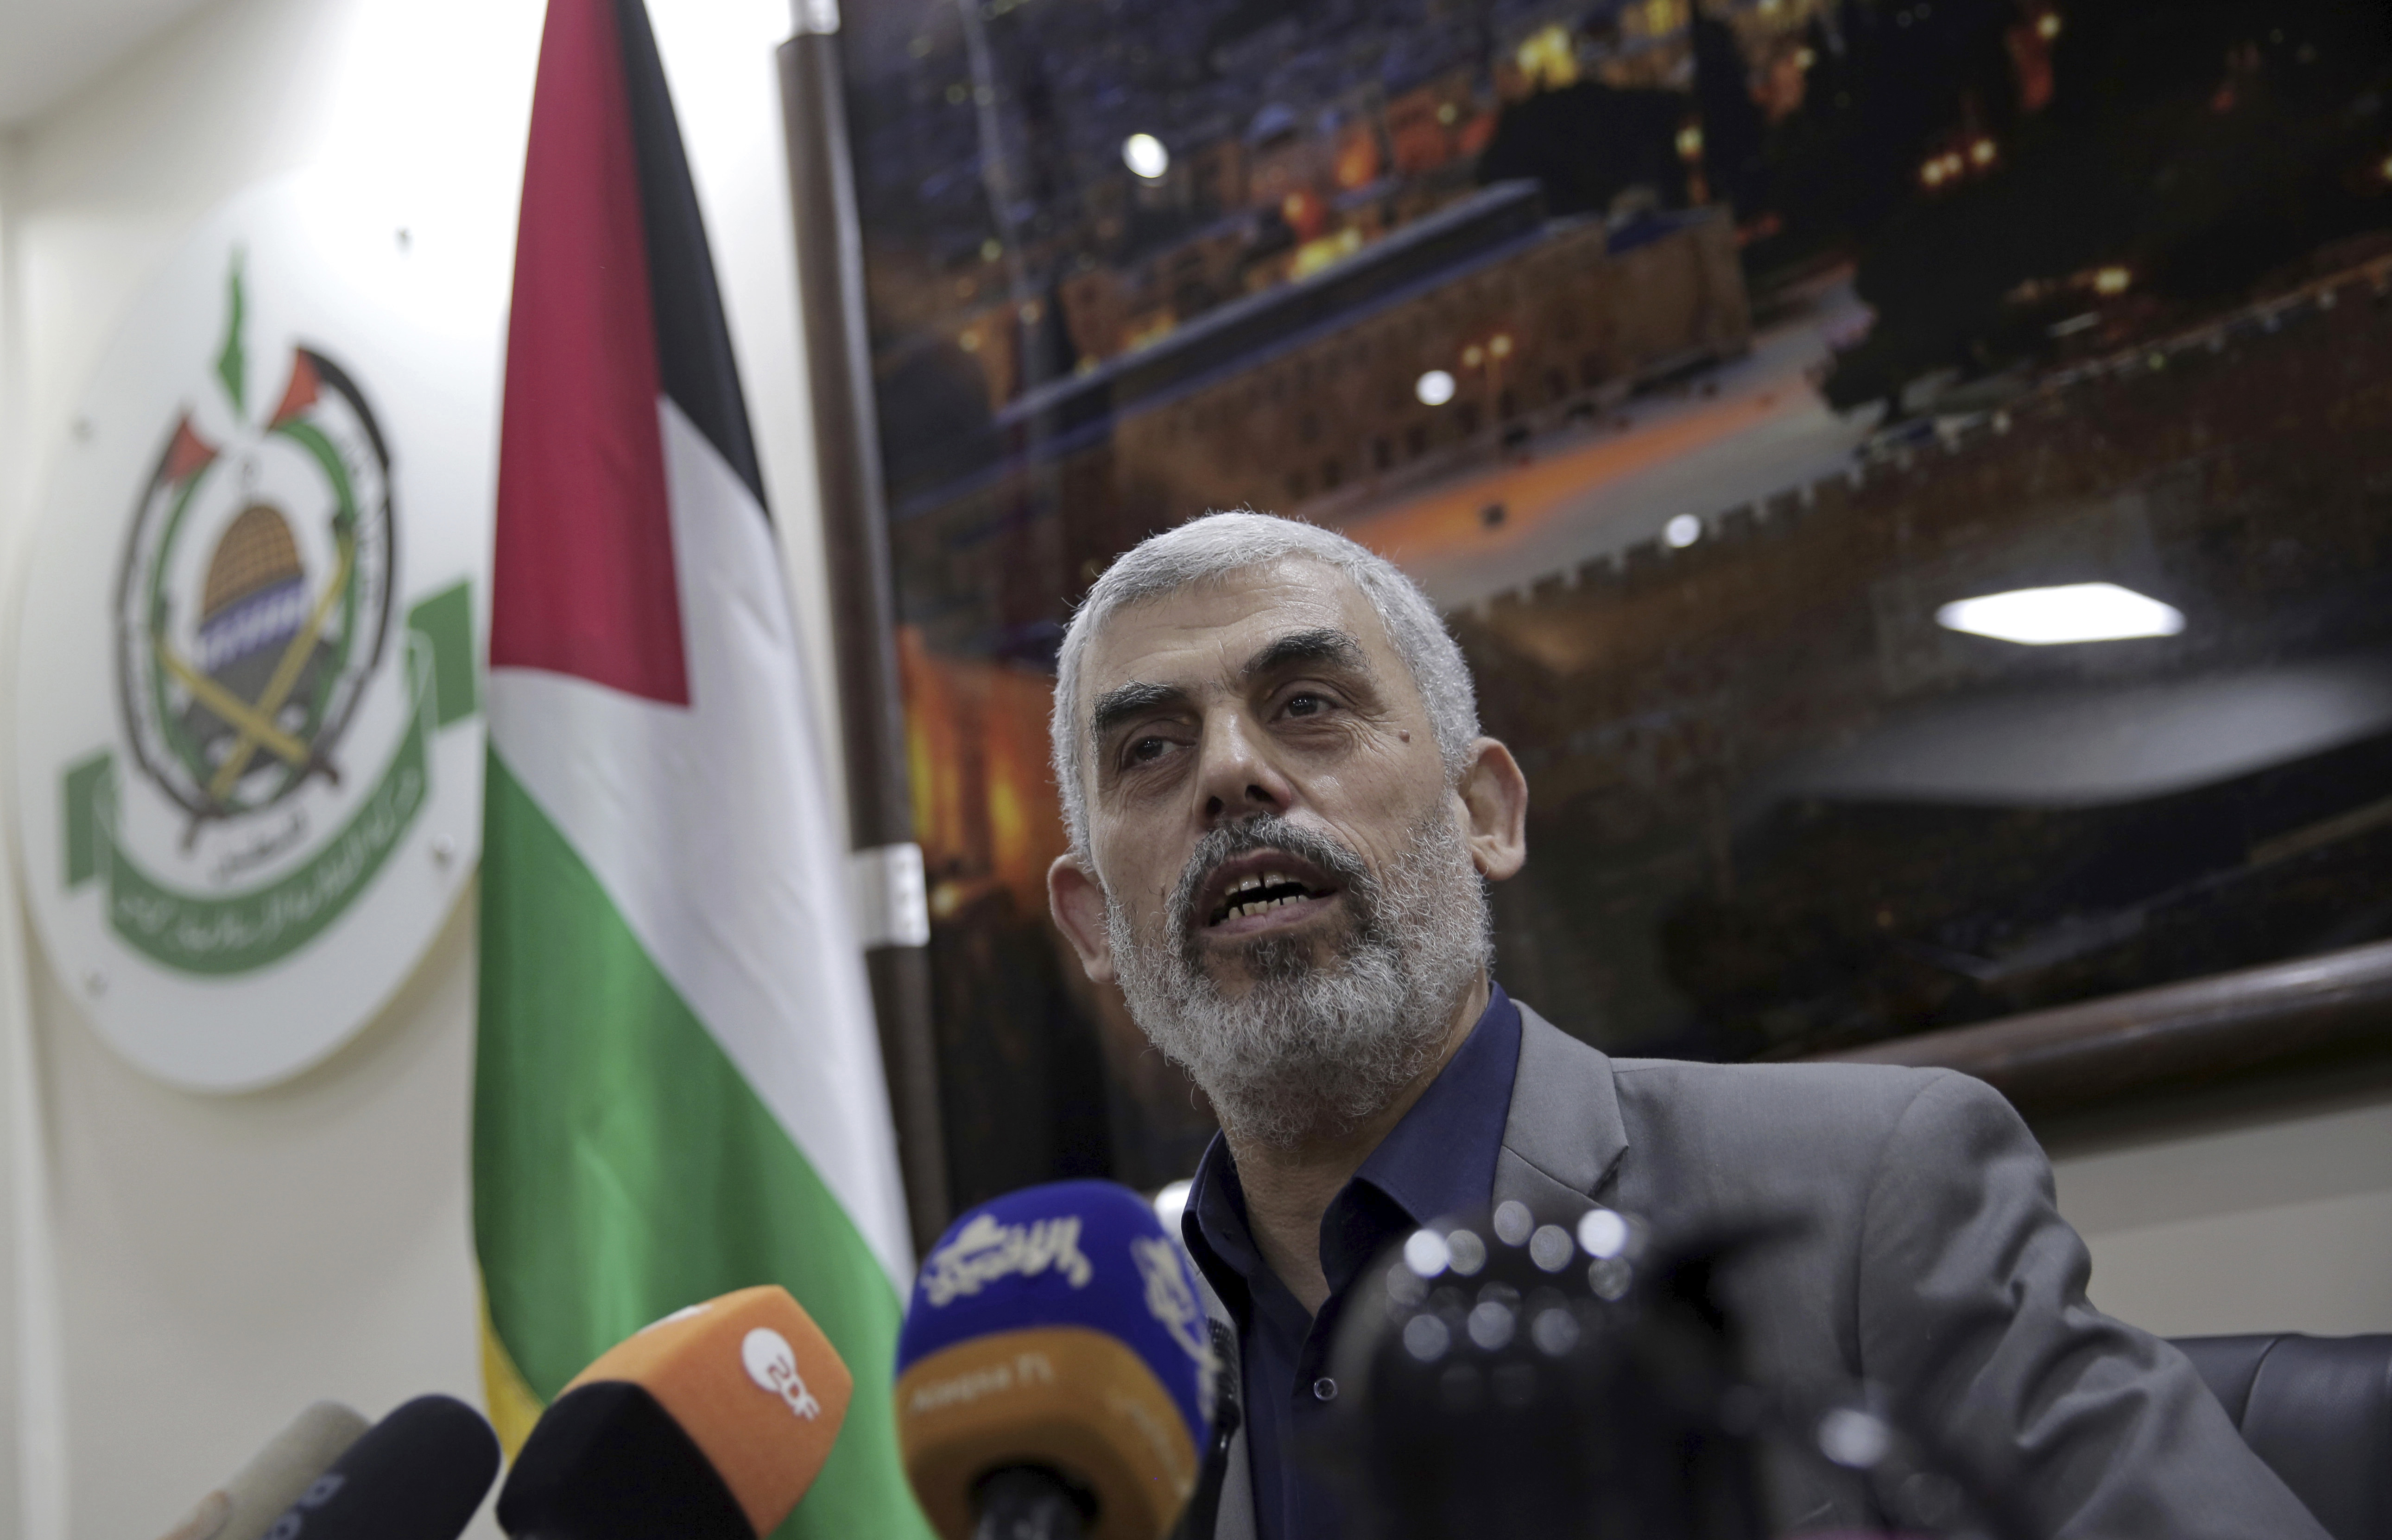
[(1519, 1373), (254, 1497), (1057, 1327), (607, 1460), (418, 1474), (717, 1418)]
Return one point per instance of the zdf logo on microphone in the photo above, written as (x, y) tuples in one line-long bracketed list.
[(772, 1365)]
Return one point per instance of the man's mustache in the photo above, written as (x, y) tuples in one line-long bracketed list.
[(1267, 832)]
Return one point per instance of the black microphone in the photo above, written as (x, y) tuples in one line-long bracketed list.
[(418, 1474), (1508, 1374), (1571, 1378)]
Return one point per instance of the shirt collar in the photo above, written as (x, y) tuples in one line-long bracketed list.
[(1438, 1159)]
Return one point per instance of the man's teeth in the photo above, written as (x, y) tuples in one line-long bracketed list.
[(1259, 895)]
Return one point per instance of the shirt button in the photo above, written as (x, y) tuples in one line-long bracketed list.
[(1324, 1389)]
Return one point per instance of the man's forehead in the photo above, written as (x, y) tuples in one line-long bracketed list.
[(1214, 628)]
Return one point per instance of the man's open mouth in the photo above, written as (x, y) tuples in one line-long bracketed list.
[(1257, 895), (1254, 886)]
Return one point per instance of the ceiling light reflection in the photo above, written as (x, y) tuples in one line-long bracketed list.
[(1144, 154), (2073, 612)]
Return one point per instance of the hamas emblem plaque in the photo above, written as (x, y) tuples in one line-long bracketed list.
[(279, 805)]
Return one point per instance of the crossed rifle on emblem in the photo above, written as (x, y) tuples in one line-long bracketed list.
[(255, 719)]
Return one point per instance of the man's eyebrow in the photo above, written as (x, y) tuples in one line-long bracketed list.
[(1124, 701), (1321, 644)]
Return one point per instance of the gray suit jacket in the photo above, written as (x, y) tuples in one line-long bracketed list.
[(1934, 1265)]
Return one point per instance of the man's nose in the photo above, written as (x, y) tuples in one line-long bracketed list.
[(1236, 777)]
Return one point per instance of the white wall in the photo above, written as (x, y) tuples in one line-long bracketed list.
[(2270, 1219), (220, 1262)]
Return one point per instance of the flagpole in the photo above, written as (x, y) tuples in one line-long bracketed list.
[(855, 548)]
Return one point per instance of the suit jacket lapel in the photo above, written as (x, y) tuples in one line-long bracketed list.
[(1564, 1138)]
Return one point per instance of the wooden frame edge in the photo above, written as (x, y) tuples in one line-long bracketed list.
[(2074, 1057)]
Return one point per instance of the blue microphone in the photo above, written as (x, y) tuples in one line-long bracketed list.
[(1054, 1373)]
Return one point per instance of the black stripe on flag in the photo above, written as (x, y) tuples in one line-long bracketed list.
[(694, 359)]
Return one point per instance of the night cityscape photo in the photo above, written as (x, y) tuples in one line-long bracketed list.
[(1725, 372)]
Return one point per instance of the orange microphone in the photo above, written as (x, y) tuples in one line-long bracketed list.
[(708, 1425)]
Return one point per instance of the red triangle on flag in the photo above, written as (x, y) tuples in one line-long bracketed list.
[(583, 581)]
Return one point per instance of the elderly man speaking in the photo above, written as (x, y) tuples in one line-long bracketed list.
[(1282, 816)]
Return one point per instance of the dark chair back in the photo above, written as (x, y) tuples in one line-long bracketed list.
[(2318, 1410)]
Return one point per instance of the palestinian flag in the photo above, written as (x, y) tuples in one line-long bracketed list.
[(679, 1090)]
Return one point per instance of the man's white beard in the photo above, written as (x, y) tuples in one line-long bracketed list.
[(1314, 1047)]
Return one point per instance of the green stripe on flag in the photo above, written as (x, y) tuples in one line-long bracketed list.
[(623, 1168)]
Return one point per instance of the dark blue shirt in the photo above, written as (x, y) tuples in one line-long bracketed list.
[(1438, 1160)]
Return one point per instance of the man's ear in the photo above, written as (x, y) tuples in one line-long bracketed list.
[(1495, 805), (1077, 901)]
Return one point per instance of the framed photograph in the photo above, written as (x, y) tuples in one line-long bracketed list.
[(1913, 477)]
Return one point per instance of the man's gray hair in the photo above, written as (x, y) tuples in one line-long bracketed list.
[(1217, 545)]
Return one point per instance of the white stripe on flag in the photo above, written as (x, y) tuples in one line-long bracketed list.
[(708, 827)]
